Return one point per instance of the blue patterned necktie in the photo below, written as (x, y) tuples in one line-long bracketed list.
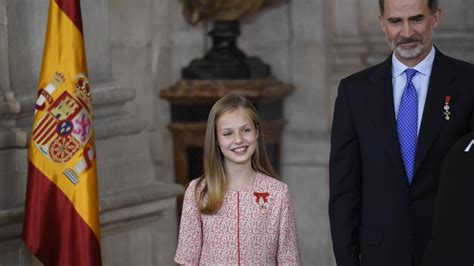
[(407, 124)]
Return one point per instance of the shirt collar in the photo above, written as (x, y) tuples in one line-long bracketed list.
[(424, 67)]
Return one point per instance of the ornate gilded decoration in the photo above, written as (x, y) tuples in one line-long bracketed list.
[(195, 11)]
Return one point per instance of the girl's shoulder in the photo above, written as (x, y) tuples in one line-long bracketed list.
[(268, 183), (195, 184)]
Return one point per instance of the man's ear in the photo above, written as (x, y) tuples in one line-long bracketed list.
[(437, 18), (382, 23)]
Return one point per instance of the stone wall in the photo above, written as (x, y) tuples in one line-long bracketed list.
[(137, 201), (135, 49)]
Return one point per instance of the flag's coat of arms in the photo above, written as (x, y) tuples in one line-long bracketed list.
[(65, 127)]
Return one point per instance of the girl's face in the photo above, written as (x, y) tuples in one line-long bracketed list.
[(237, 137)]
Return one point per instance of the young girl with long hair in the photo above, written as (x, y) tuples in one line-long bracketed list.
[(237, 212)]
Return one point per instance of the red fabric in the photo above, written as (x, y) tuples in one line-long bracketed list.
[(72, 8), (238, 228), (259, 195), (447, 99), (52, 229)]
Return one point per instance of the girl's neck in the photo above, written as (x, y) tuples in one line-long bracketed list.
[(240, 177)]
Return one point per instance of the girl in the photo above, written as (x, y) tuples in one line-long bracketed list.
[(236, 213)]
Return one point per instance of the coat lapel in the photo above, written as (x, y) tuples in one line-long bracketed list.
[(441, 79), (381, 101)]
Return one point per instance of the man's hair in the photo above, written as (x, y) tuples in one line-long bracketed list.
[(432, 5)]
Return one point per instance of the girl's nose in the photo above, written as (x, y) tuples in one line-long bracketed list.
[(238, 139)]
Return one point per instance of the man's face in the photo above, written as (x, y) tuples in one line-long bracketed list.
[(408, 26)]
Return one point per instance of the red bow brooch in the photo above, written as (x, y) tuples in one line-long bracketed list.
[(262, 200)]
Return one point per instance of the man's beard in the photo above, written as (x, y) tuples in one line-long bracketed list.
[(411, 53)]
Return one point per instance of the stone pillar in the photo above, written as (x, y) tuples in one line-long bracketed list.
[(138, 218), (306, 140)]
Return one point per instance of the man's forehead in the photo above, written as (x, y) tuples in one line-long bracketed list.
[(405, 8), (405, 2)]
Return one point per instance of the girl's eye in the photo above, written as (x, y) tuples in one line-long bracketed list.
[(225, 134), (247, 130)]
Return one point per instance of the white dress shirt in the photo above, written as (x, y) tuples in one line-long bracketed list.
[(420, 81)]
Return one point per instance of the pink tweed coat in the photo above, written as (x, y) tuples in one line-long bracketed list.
[(255, 227)]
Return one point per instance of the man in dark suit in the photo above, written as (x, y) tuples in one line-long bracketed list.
[(452, 242), (393, 124)]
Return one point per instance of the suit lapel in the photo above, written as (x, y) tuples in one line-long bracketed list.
[(381, 101), (441, 79)]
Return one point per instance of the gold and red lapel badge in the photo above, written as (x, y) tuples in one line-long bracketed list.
[(446, 108), (262, 201)]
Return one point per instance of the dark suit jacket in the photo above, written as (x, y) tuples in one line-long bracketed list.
[(452, 242), (376, 218)]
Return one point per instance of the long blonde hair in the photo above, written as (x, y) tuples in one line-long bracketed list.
[(211, 196)]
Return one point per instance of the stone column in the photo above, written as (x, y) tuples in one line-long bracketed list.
[(306, 140), (138, 219)]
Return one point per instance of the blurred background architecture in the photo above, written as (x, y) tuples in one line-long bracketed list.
[(137, 48)]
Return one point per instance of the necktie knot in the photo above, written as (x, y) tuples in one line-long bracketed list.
[(410, 72)]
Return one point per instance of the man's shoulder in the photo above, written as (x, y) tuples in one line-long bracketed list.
[(465, 67), (364, 74), (460, 67)]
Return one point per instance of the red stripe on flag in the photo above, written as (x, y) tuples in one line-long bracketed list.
[(49, 133), (47, 138), (72, 8), (43, 125), (52, 229)]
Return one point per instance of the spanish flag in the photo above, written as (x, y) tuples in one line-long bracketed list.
[(61, 222)]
